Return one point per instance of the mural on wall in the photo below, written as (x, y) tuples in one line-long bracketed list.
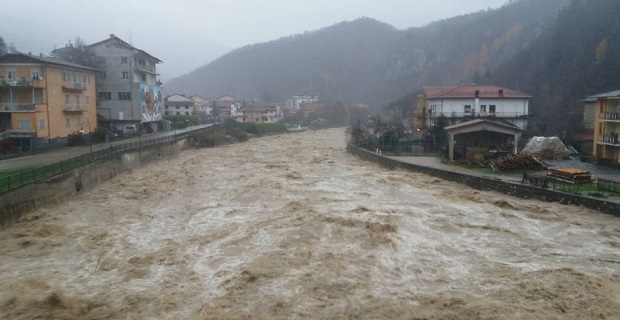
[(151, 102)]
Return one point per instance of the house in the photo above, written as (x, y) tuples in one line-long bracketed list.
[(606, 147), (482, 138), (295, 101), (44, 98), (129, 95), (201, 104), (225, 107), (178, 105), (261, 113), (464, 103)]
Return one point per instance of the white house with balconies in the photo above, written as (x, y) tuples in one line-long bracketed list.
[(463, 103)]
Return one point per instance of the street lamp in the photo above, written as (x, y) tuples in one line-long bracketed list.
[(90, 135)]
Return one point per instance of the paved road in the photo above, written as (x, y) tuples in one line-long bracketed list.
[(61, 154)]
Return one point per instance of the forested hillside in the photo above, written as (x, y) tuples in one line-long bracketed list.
[(577, 56), (371, 62), (557, 50)]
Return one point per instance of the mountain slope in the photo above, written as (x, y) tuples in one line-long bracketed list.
[(371, 62)]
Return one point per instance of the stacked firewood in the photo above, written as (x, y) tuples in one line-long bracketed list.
[(518, 162)]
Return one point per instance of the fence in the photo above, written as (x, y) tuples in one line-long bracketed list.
[(26, 177)]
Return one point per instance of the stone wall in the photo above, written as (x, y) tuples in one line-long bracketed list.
[(486, 184), (62, 187)]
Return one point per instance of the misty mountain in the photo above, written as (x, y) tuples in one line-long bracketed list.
[(368, 61)]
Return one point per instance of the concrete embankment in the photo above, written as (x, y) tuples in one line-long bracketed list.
[(61, 187), (481, 183)]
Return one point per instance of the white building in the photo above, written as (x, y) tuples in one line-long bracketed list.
[(294, 102), (463, 103)]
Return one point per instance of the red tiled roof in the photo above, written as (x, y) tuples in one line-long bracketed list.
[(470, 92)]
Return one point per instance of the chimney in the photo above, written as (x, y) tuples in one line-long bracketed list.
[(477, 94), (111, 35), (501, 92)]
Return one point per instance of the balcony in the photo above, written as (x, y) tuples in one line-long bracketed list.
[(610, 116), (609, 140), (74, 108), (17, 107), (22, 133), (505, 115), (23, 82), (76, 87)]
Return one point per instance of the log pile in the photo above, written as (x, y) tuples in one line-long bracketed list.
[(571, 175), (517, 162)]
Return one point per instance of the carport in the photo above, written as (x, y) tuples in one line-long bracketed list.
[(477, 137)]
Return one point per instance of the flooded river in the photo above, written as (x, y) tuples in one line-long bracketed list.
[(293, 227)]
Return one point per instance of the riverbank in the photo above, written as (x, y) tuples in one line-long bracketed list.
[(510, 186)]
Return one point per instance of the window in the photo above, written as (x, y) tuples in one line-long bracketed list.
[(76, 78), (66, 99), (77, 99), (124, 60), (167, 113), (187, 113), (186, 107), (66, 76), (24, 124), (166, 107), (178, 113), (35, 73), (492, 108), (483, 109), (41, 124), (467, 108), (102, 75), (37, 96), (142, 62), (87, 100), (105, 96), (88, 79), (67, 122), (178, 107), (124, 96), (11, 74), (143, 77), (84, 78), (125, 75)]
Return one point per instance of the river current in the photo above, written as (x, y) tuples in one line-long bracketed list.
[(294, 227)]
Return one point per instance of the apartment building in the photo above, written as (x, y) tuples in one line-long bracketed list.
[(606, 145), (44, 98), (129, 97)]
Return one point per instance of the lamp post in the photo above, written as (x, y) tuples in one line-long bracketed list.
[(90, 135)]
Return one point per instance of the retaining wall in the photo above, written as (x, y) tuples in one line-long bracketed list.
[(481, 183), (61, 187)]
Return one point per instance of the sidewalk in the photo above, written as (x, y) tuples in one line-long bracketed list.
[(597, 171), (61, 154)]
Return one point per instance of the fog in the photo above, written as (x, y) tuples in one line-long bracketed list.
[(189, 33)]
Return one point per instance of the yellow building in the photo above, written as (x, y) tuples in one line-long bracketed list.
[(607, 128), (44, 98)]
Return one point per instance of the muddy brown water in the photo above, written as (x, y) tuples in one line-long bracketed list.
[(293, 227)]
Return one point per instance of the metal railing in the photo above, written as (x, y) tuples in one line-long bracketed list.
[(13, 107), (610, 116), (26, 177)]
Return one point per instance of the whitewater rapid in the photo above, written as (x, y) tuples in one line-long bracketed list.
[(293, 227)]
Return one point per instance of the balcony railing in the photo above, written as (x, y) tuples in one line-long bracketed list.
[(23, 82), (17, 107), (74, 108), (510, 115), (613, 116), (609, 139), (22, 133), (75, 87)]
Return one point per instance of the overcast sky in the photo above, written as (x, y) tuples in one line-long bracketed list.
[(186, 34)]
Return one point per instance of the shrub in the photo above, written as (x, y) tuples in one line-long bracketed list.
[(76, 139)]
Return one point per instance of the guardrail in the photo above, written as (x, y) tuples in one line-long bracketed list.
[(24, 178)]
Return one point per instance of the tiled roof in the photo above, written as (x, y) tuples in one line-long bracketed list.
[(123, 43), (470, 92), (615, 93), (28, 58)]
